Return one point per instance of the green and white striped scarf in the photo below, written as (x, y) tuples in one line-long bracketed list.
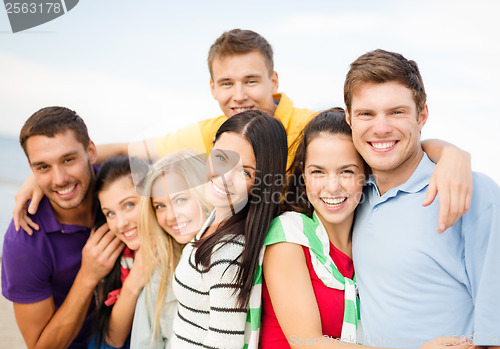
[(300, 229)]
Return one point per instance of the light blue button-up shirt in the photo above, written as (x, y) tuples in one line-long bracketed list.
[(415, 284)]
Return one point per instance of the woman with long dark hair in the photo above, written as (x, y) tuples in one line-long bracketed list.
[(215, 274), (117, 294)]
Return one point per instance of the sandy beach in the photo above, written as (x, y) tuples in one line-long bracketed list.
[(10, 336)]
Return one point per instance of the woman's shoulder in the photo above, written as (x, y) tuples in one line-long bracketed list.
[(229, 247), (289, 227)]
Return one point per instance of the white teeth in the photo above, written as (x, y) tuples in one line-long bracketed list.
[(383, 145), (334, 202), (66, 191), (219, 190), (179, 226), (129, 233), (241, 110)]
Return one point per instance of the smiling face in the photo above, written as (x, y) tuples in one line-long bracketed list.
[(229, 191), (243, 82), (177, 210), (334, 177), (62, 168), (386, 130), (120, 205)]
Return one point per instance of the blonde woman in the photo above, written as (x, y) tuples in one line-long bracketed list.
[(172, 210)]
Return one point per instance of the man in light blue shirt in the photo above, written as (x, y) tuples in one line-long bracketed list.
[(415, 284)]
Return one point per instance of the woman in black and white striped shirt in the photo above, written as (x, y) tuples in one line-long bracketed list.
[(214, 276)]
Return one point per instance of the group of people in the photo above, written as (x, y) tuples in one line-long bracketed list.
[(269, 226)]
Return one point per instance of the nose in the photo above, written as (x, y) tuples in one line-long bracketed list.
[(171, 218), (333, 183), (381, 125), (239, 92), (60, 177), (122, 221)]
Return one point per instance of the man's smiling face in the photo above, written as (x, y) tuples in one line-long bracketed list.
[(243, 82)]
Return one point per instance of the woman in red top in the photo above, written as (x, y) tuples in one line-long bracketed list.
[(330, 176)]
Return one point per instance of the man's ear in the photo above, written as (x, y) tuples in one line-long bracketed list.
[(422, 117), (92, 153), (212, 88), (348, 118), (274, 82)]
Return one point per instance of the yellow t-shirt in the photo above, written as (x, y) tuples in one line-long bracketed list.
[(199, 136)]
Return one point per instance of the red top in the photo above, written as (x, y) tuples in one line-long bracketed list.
[(330, 303)]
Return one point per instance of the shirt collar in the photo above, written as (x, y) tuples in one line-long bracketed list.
[(285, 104), (417, 181)]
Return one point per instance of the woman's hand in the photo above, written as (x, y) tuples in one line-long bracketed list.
[(135, 279), (447, 343)]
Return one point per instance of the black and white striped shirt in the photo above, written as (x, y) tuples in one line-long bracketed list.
[(207, 314)]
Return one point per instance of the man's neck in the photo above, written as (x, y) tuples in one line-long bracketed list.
[(386, 180), (82, 215)]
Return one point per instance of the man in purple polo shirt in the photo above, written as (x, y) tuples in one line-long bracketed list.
[(50, 276)]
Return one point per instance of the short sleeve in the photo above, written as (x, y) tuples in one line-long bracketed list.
[(26, 272)]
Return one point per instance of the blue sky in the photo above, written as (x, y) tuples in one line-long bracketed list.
[(131, 67)]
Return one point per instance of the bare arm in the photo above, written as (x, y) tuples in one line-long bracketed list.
[(105, 151), (452, 178), (42, 326), (289, 282), (144, 149), (122, 315)]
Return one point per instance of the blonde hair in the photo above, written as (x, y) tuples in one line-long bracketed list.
[(159, 250)]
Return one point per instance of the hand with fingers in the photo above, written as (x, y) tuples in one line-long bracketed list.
[(447, 343), (452, 179), (136, 278), (28, 191), (100, 253)]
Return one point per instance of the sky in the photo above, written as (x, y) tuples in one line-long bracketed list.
[(134, 69)]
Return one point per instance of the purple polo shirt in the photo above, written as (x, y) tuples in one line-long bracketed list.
[(45, 264)]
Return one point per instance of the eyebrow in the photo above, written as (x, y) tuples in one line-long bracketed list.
[(245, 77), (340, 168), (38, 163), (222, 151), (402, 106), (250, 167), (127, 198), (175, 196), (107, 209)]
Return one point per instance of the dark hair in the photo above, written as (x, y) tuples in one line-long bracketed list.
[(331, 121), (381, 66), (50, 121), (238, 42), (269, 143), (111, 170)]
